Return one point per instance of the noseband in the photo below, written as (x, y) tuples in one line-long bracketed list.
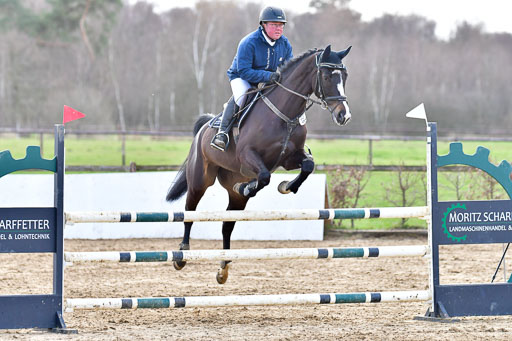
[(319, 89)]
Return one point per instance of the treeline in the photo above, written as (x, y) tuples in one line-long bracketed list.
[(128, 67)]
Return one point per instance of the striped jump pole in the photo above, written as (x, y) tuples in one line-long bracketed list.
[(293, 253), (250, 300), (191, 216)]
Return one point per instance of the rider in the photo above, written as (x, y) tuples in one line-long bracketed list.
[(256, 61)]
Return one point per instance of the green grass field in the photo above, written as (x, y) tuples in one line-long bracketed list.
[(382, 189), (145, 150)]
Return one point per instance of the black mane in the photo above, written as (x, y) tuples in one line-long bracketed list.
[(296, 61)]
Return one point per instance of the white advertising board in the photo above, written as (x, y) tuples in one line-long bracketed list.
[(145, 192)]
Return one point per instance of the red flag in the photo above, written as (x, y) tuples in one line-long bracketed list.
[(71, 114)]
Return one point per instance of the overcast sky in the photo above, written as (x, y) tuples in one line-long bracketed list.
[(494, 14)]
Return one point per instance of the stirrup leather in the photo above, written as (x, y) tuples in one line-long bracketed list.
[(217, 138)]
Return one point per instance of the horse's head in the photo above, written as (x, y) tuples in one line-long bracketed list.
[(330, 84)]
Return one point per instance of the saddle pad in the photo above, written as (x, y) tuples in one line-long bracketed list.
[(215, 122)]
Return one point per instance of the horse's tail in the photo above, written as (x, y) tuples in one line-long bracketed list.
[(201, 121), (179, 185)]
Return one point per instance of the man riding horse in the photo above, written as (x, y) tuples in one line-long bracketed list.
[(259, 55), (273, 136)]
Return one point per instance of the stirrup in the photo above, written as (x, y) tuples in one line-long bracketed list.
[(217, 139)]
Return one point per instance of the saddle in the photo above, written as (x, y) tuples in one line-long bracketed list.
[(239, 117)]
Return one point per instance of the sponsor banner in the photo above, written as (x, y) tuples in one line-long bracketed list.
[(28, 229), (471, 222)]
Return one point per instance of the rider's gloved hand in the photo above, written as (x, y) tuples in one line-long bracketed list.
[(275, 77)]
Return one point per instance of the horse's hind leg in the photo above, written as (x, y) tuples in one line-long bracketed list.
[(236, 202), (197, 185), (227, 229), (184, 245), (306, 164)]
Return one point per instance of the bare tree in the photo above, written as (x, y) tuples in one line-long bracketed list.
[(200, 58), (382, 87), (117, 90), (347, 186), (403, 190), (83, 31), (172, 106), (158, 71)]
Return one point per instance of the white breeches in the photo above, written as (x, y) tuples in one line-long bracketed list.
[(239, 88)]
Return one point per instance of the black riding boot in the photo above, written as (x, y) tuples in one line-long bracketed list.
[(220, 141)]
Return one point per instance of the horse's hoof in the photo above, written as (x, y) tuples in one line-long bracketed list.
[(242, 189), (222, 278), (236, 187), (282, 187), (239, 188), (179, 265), (222, 274), (184, 246)]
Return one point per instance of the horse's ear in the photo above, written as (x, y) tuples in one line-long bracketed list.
[(326, 53), (343, 53)]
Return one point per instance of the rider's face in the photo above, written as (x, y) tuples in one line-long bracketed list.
[(274, 29)]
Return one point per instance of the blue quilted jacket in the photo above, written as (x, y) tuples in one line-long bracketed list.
[(255, 59)]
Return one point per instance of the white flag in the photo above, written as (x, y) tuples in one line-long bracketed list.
[(418, 112)]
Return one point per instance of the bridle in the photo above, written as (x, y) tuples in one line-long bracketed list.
[(320, 89)]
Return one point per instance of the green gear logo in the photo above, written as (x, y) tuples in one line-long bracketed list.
[(445, 229)]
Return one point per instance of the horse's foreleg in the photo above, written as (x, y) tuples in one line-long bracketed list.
[(249, 189), (252, 165), (307, 166)]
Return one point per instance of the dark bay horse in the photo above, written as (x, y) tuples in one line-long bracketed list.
[(272, 135)]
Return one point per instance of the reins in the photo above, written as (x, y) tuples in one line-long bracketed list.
[(307, 98)]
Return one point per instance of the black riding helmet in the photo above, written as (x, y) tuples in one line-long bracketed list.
[(275, 14)]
